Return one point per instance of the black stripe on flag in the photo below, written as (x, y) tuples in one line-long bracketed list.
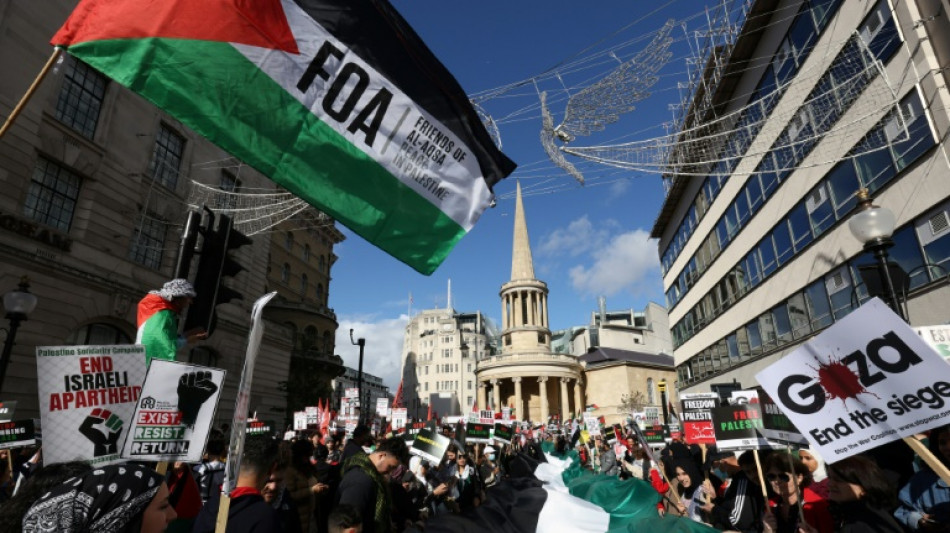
[(378, 34)]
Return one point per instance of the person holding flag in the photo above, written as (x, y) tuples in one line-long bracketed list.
[(158, 320)]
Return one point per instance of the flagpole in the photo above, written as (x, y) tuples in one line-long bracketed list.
[(57, 51)]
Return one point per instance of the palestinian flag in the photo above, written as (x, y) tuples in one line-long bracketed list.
[(554, 494), (338, 101)]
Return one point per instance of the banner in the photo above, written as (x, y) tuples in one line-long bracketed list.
[(429, 445), (7, 409), (738, 427), (174, 415), (87, 398), (696, 417), (502, 433), (478, 433), (867, 380), (17, 433), (239, 422)]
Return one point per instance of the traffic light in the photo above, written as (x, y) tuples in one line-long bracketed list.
[(214, 265), (661, 385)]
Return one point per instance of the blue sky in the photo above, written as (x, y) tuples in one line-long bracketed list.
[(587, 241)]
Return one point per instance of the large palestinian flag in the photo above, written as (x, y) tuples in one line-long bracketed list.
[(554, 494), (338, 101)]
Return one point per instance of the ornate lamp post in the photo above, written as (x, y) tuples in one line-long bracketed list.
[(18, 304), (873, 226)]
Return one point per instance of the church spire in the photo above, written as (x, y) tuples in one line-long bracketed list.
[(522, 266)]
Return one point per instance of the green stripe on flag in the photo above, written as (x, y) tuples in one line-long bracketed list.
[(631, 503), (217, 92)]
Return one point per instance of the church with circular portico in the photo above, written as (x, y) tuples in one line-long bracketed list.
[(527, 375)]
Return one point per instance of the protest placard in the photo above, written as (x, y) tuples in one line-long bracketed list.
[(776, 426), (382, 407), (651, 415), (592, 424), (738, 427), (867, 380), (938, 338), (502, 433), (656, 434), (7, 409), (300, 420), (429, 445), (696, 417), (400, 417), (486, 416), (506, 413), (16, 433), (174, 414), (87, 398), (312, 416), (477, 432)]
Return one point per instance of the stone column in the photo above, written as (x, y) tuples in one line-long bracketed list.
[(565, 402), (543, 387), (519, 412), (579, 404), (504, 312), (496, 393), (482, 395)]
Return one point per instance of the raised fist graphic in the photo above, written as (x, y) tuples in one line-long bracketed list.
[(106, 439), (194, 388)]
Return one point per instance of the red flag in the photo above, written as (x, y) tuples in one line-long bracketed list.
[(397, 401), (429, 413), (475, 405)]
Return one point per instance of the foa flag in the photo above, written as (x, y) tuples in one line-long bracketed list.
[(339, 101)]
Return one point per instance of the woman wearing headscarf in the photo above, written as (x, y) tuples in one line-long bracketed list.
[(693, 494), (112, 499), (816, 465)]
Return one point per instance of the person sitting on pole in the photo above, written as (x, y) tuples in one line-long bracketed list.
[(158, 321)]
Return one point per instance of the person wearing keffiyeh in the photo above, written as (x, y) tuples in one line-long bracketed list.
[(111, 499), (157, 318)]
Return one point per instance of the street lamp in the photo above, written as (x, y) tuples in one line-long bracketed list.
[(359, 375), (18, 304), (873, 226)]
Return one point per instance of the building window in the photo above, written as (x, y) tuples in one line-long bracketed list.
[(229, 183), (320, 293), (166, 157), (303, 284), (327, 343), (289, 241), (52, 197), (306, 252), (285, 273), (98, 333), (651, 394), (148, 242), (322, 264), (292, 328), (310, 335), (80, 99)]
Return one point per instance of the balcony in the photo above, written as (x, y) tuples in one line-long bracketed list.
[(530, 358)]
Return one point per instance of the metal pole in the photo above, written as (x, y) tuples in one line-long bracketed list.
[(666, 413), (879, 249), (8, 346), (359, 375)]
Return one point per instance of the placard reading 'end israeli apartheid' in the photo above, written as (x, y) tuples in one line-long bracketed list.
[(174, 414), (87, 397), (867, 380)]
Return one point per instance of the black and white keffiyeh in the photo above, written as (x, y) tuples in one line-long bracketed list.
[(106, 500)]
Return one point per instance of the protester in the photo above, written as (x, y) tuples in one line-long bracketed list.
[(158, 320), (608, 460), (247, 512), (210, 473), (365, 484), (816, 465), (862, 496), (693, 494), (334, 455), (790, 481), (301, 481), (120, 498), (328, 474), (41, 481), (467, 487), (925, 500), (345, 519), (742, 507), (362, 436), (277, 496), (183, 496)]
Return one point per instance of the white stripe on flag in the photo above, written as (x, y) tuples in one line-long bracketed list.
[(562, 510)]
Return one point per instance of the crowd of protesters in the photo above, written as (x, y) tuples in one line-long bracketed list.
[(318, 484)]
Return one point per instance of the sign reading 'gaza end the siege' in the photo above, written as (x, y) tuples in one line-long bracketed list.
[(866, 381), (87, 397), (173, 418)]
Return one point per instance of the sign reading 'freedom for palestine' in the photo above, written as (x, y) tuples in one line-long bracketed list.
[(339, 101)]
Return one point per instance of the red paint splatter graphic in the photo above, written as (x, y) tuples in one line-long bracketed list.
[(839, 381)]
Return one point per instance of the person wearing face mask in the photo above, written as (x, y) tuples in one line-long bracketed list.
[(486, 466)]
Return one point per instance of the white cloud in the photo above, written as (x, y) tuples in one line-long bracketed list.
[(619, 188), (626, 262), (382, 355), (578, 237)]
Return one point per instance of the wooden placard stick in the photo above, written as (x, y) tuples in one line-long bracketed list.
[(57, 51), (935, 464)]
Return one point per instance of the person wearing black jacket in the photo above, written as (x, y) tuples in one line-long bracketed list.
[(365, 484), (248, 512), (742, 506)]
